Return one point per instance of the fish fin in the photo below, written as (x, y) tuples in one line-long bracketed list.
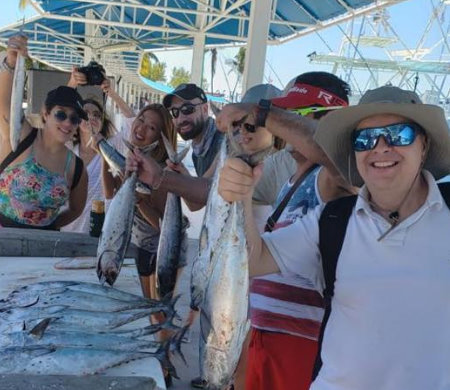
[(181, 155), (162, 354), (170, 303), (39, 330), (169, 148), (176, 342)]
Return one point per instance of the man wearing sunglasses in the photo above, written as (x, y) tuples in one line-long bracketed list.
[(189, 108), (387, 323)]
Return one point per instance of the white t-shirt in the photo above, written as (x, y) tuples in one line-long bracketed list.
[(389, 327)]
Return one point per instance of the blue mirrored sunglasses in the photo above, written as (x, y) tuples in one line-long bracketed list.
[(399, 134), (61, 116)]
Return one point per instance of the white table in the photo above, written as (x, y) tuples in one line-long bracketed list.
[(20, 271)]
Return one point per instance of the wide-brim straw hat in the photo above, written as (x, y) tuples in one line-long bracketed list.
[(334, 132)]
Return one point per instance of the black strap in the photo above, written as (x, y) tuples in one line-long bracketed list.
[(23, 145), (445, 191), (332, 227), (272, 220), (78, 171)]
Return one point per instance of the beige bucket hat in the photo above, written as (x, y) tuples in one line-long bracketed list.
[(335, 129)]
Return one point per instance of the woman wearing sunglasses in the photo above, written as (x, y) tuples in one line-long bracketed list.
[(43, 175), (388, 327), (97, 123)]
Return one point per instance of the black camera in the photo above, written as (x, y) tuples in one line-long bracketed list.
[(94, 73)]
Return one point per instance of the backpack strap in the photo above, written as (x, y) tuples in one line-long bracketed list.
[(23, 145), (445, 192), (78, 171), (332, 227)]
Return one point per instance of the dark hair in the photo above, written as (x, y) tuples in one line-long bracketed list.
[(327, 81), (107, 130), (160, 153)]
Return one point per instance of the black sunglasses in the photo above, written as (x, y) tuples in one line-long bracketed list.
[(185, 109), (399, 134), (61, 116)]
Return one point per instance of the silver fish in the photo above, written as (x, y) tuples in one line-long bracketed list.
[(216, 211), (116, 232), (79, 299), (172, 245), (224, 310), (40, 335), (115, 160), (16, 114), (72, 361), (69, 317)]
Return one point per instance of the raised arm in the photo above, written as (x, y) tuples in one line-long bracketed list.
[(16, 44), (194, 190), (124, 108), (295, 129)]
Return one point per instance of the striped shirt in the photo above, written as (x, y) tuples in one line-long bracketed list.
[(289, 303)]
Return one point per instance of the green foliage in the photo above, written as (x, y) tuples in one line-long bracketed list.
[(179, 76), (152, 69)]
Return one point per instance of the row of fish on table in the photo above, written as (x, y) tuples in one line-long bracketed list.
[(78, 328)]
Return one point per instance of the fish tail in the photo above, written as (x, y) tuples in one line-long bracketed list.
[(176, 342), (162, 354)]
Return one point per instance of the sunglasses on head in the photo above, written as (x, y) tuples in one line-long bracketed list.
[(61, 116), (399, 134), (185, 109), (311, 110)]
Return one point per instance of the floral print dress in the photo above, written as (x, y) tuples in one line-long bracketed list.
[(30, 194)]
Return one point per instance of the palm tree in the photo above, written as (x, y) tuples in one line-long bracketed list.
[(213, 66), (237, 65)]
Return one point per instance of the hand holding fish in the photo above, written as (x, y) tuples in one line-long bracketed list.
[(179, 168), (237, 180), (16, 44), (149, 172), (233, 114)]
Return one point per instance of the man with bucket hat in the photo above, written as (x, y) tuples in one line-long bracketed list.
[(387, 321)]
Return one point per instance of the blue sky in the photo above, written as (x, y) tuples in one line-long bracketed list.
[(409, 19)]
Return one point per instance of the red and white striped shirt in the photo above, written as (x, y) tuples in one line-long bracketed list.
[(289, 303)]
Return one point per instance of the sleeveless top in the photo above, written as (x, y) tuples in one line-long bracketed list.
[(30, 194)]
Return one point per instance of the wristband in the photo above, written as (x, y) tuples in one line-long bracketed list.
[(263, 109)]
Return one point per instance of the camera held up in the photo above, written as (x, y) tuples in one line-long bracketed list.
[(94, 73)]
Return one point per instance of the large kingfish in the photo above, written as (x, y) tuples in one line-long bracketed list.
[(216, 211), (224, 310), (172, 245), (82, 300), (72, 361), (16, 114), (71, 317), (116, 232)]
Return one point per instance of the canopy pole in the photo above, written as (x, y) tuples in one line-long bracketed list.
[(255, 55)]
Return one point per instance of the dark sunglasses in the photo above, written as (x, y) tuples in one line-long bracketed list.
[(185, 109), (61, 116), (399, 134)]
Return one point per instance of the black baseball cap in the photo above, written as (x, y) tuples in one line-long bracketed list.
[(66, 97), (185, 91)]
